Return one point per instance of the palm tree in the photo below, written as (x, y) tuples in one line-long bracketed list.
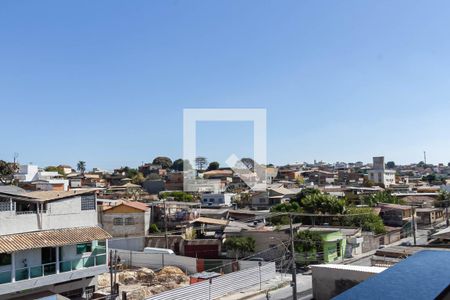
[(81, 166)]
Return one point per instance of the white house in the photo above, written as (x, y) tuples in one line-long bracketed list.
[(50, 242), (42, 180), (217, 200), (379, 174)]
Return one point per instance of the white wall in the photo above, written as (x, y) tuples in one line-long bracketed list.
[(64, 213)]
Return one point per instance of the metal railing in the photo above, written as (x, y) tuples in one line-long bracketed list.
[(50, 268)]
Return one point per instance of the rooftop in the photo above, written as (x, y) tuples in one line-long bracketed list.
[(51, 238), (421, 276)]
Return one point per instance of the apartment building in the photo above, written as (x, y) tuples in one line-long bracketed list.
[(50, 243)]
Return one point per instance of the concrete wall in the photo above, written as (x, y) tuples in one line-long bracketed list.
[(137, 229), (332, 280), (131, 243), (64, 213), (156, 261)]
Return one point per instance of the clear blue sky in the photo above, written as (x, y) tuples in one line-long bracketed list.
[(107, 81)]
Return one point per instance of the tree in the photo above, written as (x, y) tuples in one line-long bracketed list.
[(308, 241), (153, 176), (138, 178), (181, 165), (381, 197), (154, 228), (240, 245), (177, 165), (305, 192), (81, 166), (201, 162), (365, 218), (323, 204), (7, 170), (390, 165), (164, 161), (178, 196), (430, 178), (213, 166)]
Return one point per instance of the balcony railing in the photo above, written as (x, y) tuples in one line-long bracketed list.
[(50, 268)]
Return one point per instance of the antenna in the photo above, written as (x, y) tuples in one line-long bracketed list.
[(425, 157)]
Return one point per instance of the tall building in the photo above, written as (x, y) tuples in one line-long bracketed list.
[(379, 174)]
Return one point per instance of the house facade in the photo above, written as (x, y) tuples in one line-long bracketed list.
[(127, 219), (217, 200), (50, 242)]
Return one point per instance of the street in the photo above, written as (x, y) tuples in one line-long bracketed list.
[(304, 290)]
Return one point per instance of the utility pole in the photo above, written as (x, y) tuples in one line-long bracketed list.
[(165, 225), (293, 265), (413, 224)]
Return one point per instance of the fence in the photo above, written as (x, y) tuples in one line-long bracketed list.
[(220, 286)]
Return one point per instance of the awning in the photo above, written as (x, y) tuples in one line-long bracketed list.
[(51, 238)]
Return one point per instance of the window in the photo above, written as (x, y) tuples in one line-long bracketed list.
[(5, 205), (85, 247), (338, 248), (5, 259), (88, 202), (118, 221), (129, 221)]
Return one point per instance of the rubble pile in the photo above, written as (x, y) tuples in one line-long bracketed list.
[(142, 283)]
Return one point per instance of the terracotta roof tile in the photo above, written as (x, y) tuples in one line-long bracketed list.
[(51, 238)]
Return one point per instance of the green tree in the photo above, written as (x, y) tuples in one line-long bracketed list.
[(138, 178), (365, 218), (164, 161), (323, 204), (178, 165), (81, 166), (213, 166), (201, 162), (60, 170), (154, 228), (381, 197), (390, 165), (308, 241), (241, 246), (7, 171), (305, 192), (178, 196)]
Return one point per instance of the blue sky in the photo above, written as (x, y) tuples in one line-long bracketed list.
[(107, 81)]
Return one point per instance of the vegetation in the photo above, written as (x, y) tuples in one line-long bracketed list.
[(201, 162), (180, 165), (381, 197), (7, 170), (154, 228), (164, 161), (308, 241), (60, 170), (138, 178), (240, 245), (81, 166), (178, 196), (305, 192), (390, 165), (365, 218), (323, 204), (213, 166)]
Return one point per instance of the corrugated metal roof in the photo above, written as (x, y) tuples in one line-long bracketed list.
[(51, 238)]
